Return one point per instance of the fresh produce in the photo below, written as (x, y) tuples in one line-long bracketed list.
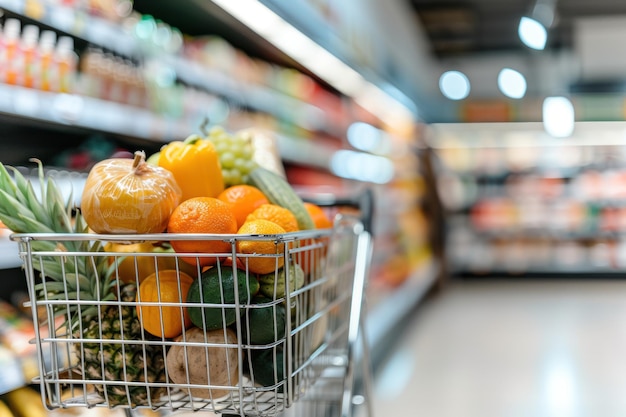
[(202, 215), (217, 286), (23, 402), (265, 321), (5, 411), (268, 367), (205, 365), (129, 196), (263, 246), (280, 192), (272, 285), (244, 199), (195, 165), (236, 154), (277, 214), (167, 286), (136, 268), (23, 212), (318, 215)]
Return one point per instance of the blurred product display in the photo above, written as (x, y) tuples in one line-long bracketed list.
[(521, 202)]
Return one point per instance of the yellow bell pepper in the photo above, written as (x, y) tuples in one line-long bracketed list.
[(195, 165)]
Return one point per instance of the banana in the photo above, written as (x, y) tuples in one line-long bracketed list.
[(25, 402), (5, 411)]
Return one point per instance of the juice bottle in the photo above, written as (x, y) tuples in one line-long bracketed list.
[(48, 68), (11, 59), (66, 61), (30, 52)]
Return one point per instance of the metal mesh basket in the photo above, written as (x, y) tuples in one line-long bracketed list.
[(96, 351)]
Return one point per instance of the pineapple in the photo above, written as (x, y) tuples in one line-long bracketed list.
[(87, 278)]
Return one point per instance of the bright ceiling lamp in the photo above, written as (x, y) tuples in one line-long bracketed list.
[(532, 33), (362, 166), (368, 138), (511, 83), (558, 117), (270, 26), (454, 85)]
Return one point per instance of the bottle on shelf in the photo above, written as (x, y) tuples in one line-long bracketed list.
[(48, 68), (66, 60), (9, 52), (30, 56)]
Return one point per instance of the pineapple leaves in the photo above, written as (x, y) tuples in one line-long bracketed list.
[(6, 183), (13, 211)]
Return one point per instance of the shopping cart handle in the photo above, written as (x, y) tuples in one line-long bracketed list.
[(363, 201)]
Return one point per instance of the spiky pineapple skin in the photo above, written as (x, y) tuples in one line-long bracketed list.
[(128, 361), (71, 277)]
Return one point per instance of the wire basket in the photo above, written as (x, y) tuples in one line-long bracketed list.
[(250, 343)]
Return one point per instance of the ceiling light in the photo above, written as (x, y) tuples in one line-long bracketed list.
[(558, 116), (361, 166), (532, 33), (512, 83), (366, 137), (454, 85)]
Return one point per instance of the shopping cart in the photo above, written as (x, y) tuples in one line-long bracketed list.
[(96, 351)]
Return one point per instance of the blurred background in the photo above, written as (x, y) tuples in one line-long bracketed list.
[(491, 133)]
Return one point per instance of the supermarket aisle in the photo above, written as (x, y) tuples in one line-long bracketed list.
[(511, 349)]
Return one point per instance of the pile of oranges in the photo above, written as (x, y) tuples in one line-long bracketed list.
[(239, 209)]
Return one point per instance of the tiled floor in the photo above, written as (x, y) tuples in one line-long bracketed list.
[(511, 349)]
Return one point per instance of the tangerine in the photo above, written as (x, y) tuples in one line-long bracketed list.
[(167, 286), (321, 220), (202, 215), (268, 246), (311, 259), (277, 214), (244, 200)]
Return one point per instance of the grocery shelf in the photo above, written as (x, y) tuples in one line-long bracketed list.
[(117, 38), (77, 111), (88, 113), (75, 22)]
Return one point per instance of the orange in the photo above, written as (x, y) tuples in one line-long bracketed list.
[(244, 200), (277, 214), (311, 260), (167, 286), (261, 264), (202, 215), (321, 220)]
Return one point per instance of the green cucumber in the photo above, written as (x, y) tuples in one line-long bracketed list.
[(279, 192)]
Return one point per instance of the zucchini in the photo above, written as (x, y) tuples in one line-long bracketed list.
[(278, 191)]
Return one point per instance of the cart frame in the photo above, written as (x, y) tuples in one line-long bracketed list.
[(312, 379)]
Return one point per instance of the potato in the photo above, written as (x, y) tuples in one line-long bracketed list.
[(204, 365)]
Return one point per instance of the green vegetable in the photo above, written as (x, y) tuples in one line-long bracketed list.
[(217, 286), (264, 324), (272, 285), (279, 192), (268, 367)]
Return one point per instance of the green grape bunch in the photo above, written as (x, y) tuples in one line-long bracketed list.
[(235, 152)]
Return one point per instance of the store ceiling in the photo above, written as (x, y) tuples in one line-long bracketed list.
[(583, 51), (485, 26)]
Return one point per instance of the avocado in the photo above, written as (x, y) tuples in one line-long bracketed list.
[(264, 324), (268, 367), (217, 286)]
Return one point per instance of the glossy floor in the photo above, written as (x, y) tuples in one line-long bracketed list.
[(511, 349)]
